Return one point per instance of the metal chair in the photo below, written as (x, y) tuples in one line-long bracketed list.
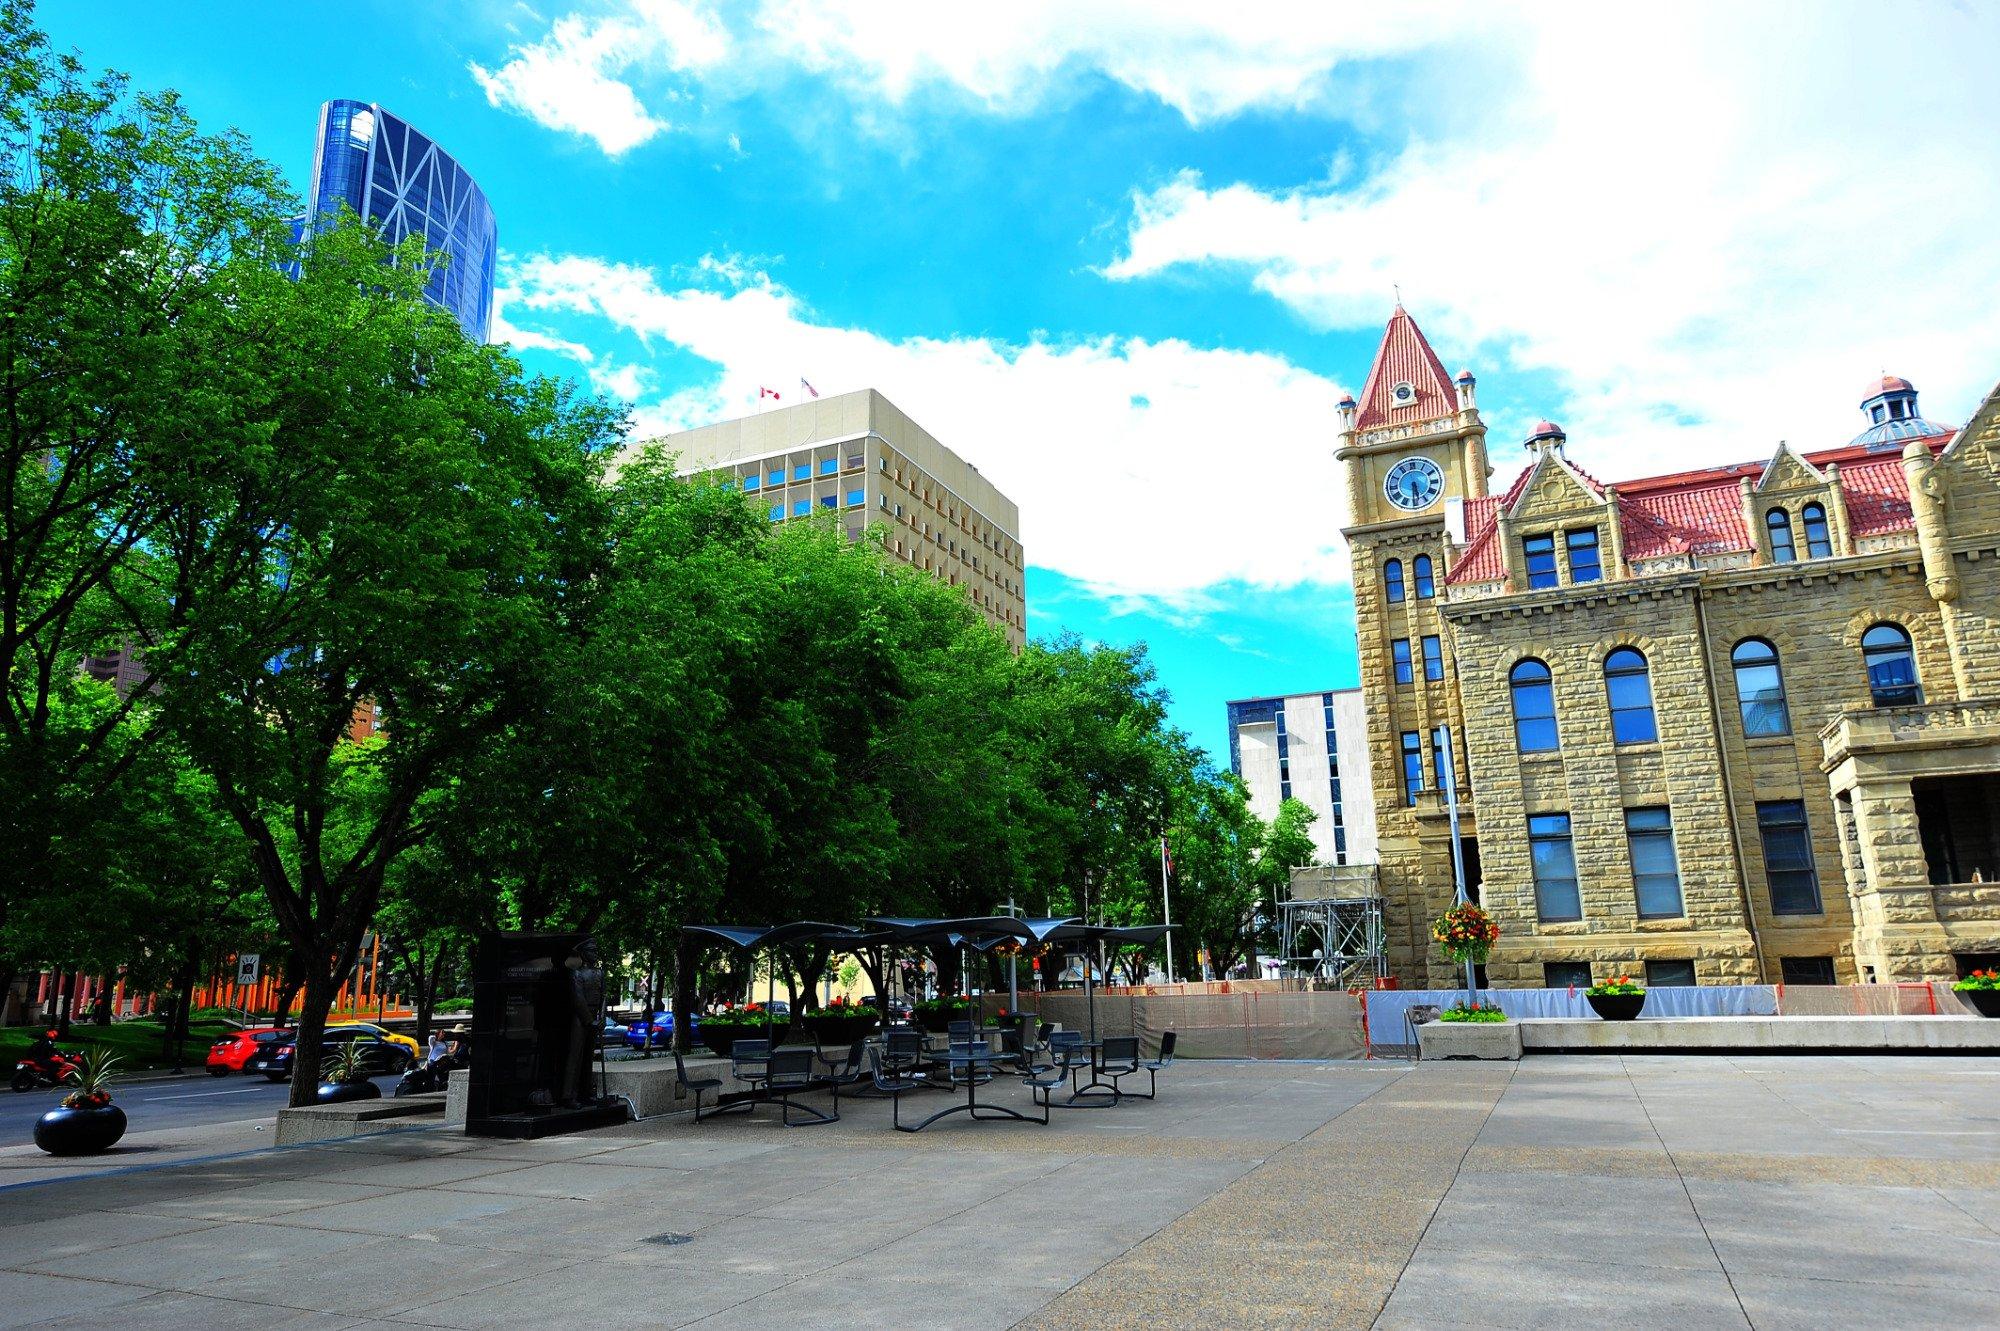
[(790, 1073), (697, 1085), (1415, 1015), (960, 1031), (849, 1067), (903, 1050), (749, 1061), (1067, 1052), (1117, 1057), (894, 1082), (1155, 1067)]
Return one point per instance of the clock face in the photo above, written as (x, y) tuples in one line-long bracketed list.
[(1413, 483)]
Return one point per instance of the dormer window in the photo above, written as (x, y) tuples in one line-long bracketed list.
[(1404, 394)]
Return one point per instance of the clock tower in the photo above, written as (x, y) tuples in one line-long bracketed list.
[(1414, 453)]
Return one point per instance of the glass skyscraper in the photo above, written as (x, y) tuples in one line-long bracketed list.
[(385, 170)]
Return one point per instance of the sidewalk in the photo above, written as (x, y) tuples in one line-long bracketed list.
[(1698, 1192)]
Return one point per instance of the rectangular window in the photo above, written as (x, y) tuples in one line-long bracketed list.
[(1584, 565), (802, 471), (1437, 757), (1805, 970), (1413, 766), (750, 484), (1554, 858), (801, 507), (829, 501), (1433, 657), (1399, 652), (776, 476), (828, 466), (1670, 975), (856, 498), (1788, 857), (1565, 974), (1656, 873), (777, 512), (1541, 555)]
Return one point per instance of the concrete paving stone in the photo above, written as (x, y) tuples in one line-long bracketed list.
[(1776, 1304), (422, 1171), (26, 1299), (422, 1211), (545, 1150), (559, 1226), (1897, 1236), (570, 1178), (596, 1294), (778, 1249), (213, 1255), (72, 1236), (1981, 1204), (383, 1275), (1609, 1162), (255, 1201), (1530, 1293), (1628, 1221), (688, 1150), (175, 1312), (866, 1301)]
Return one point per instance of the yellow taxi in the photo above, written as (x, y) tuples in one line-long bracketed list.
[(416, 1050)]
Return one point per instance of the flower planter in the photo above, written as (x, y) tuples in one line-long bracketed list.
[(938, 1023), (841, 1030), (343, 1092), (1617, 1007), (1985, 1001), (80, 1131), (721, 1038)]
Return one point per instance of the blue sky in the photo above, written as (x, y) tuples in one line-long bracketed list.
[(1126, 256)]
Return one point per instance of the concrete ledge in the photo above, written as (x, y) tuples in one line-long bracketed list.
[(1770, 1035), (647, 1082), (319, 1123), (1469, 1039)]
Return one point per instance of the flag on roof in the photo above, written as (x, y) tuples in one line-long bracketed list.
[(808, 387), (763, 392)]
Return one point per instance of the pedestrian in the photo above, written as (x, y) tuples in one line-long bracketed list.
[(438, 1049)]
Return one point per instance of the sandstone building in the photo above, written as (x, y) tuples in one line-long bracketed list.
[(1740, 724), (856, 459)]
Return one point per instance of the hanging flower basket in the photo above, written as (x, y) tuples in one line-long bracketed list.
[(1465, 933)]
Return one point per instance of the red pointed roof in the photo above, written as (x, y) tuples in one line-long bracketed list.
[(1405, 357)]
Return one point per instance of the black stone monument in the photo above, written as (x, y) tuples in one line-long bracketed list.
[(537, 1008)]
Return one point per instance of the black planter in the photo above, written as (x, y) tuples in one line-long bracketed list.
[(1986, 1001), (80, 1131), (342, 1092), (840, 1030), (1617, 1007), (937, 1023), (722, 1038)]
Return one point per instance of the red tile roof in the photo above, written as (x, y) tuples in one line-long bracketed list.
[(1405, 357), (1702, 511)]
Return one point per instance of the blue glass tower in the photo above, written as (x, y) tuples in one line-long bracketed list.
[(397, 178)]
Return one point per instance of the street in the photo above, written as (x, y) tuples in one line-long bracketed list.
[(189, 1101)]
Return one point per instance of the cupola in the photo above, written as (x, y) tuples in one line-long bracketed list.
[(1891, 409)]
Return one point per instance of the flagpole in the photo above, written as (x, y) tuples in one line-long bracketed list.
[(1167, 907)]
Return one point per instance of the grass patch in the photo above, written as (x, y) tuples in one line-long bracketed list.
[(137, 1043)]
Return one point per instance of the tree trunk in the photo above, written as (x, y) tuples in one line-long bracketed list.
[(288, 991), (65, 986), (320, 990), (100, 1013), (684, 955), (7, 974), (184, 1002)]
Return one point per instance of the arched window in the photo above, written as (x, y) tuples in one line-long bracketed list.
[(1892, 666), (1534, 707), (1760, 689), (1818, 544), (1426, 587), (1392, 579), (1630, 689), (1780, 523)]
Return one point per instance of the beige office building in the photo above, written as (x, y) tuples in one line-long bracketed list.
[(856, 459)]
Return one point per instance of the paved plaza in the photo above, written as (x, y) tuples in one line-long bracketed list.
[(1561, 1191)]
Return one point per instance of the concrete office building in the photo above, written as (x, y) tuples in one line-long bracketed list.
[(855, 459), (1311, 747)]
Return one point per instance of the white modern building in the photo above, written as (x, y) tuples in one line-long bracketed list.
[(1311, 747)]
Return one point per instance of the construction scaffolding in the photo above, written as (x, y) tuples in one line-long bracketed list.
[(1330, 927)]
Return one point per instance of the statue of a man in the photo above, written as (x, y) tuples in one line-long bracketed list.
[(586, 988)]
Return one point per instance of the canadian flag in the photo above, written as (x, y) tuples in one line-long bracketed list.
[(771, 393)]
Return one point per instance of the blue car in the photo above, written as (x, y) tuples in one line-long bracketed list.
[(657, 1031)]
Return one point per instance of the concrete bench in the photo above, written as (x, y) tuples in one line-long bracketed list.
[(648, 1082), (319, 1123)]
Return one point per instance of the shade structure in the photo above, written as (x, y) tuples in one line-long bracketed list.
[(1141, 935), (751, 937), (968, 930)]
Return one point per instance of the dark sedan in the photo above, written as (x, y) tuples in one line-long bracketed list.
[(656, 1031), (379, 1057)]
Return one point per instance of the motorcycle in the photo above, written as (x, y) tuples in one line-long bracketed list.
[(51, 1069)]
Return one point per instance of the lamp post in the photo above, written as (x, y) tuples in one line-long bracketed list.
[(1457, 853)]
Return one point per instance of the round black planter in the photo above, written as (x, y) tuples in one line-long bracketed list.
[(840, 1030), (722, 1038), (80, 1131), (341, 1092), (1986, 1001), (1617, 1007)]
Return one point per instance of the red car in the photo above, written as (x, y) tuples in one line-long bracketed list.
[(230, 1053)]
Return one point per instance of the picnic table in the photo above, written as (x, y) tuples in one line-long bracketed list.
[(969, 1060)]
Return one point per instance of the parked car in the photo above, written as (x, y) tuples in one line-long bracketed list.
[(379, 1056), (408, 1042), (656, 1031), (232, 1052)]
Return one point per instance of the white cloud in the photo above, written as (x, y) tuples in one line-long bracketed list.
[(572, 80), (529, 339), (1226, 475), (1712, 226), (626, 382)]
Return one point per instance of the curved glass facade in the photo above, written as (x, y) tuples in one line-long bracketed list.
[(397, 178)]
